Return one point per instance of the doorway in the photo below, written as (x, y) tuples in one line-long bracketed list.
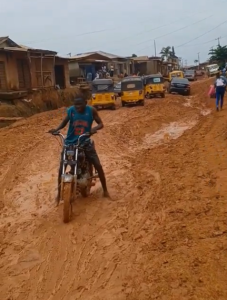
[(3, 81), (60, 76), (23, 74)]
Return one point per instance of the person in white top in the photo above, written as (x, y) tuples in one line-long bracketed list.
[(220, 85)]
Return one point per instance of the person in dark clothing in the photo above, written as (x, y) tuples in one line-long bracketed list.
[(220, 86)]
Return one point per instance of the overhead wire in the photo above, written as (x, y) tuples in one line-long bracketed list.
[(112, 29), (164, 35), (202, 34), (115, 28)]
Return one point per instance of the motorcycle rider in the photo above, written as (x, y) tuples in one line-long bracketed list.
[(80, 117)]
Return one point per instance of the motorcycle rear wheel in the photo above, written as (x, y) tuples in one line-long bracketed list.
[(85, 192), (67, 205)]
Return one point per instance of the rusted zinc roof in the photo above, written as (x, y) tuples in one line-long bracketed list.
[(140, 58), (10, 42), (12, 46), (97, 55), (3, 39), (30, 49)]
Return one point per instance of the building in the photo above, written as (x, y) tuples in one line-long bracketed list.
[(24, 68), (145, 65), (82, 64)]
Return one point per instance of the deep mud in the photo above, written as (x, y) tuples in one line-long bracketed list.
[(164, 235)]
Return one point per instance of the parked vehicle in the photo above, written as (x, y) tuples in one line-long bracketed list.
[(212, 70), (103, 93), (190, 75), (154, 86), (199, 72), (79, 178), (132, 91), (180, 86), (179, 74), (117, 89)]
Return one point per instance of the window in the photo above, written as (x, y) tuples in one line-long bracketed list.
[(131, 86)]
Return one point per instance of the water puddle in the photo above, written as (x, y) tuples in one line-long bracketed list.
[(172, 131), (188, 102), (203, 111)]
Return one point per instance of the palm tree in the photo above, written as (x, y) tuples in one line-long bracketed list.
[(134, 55), (218, 55), (166, 52)]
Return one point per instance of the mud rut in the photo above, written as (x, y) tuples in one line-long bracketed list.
[(143, 245)]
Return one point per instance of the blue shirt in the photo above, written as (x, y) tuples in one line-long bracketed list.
[(79, 123)]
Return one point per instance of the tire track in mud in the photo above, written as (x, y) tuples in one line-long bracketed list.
[(95, 256)]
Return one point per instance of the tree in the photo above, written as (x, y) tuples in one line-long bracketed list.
[(173, 52), (196, 61), (166, 52), (218, 55), (134, 55)]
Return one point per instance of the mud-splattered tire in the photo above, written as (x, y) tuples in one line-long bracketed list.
[(142, 103), (86, 191), (67, 206), (163, 95)]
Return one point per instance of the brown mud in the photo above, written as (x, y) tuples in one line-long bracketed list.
[(164, 235)]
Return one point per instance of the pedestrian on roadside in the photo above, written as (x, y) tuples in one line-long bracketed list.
[(220, 86), (111, 71)]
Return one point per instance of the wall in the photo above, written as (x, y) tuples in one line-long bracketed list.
[(39, 101), (74, 69), (47, 68), (153, 67), (10, 59)]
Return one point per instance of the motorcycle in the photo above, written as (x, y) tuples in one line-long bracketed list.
[(80, 178)]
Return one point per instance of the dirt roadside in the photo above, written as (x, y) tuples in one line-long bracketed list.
[(164, 236)]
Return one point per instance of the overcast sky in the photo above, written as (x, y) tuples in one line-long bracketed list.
[(121, 27)]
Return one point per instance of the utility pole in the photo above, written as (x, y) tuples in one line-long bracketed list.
[(198, 60), (155, 47), (218, 39)]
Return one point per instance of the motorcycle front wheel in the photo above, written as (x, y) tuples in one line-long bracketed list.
[(67, 205)]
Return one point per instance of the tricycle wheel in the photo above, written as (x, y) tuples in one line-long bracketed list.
[(123, 104), (142, 103), (113, 107), (163, 95)]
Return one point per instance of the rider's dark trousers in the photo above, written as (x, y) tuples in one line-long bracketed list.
[(93, 158)]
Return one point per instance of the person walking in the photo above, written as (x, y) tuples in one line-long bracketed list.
[(220, 86)]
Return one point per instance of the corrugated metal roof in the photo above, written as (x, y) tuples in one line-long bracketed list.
[(101, 53), (109, 55), (141, 58), (14, 49), (38, 50), (25, 47), (3, 39), (82, 55)]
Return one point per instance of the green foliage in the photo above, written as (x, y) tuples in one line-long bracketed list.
[(218, 55)]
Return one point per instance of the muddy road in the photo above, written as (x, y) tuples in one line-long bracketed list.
[(163, 236)]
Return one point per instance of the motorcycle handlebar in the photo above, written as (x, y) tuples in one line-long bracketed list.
[(58, 133)]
